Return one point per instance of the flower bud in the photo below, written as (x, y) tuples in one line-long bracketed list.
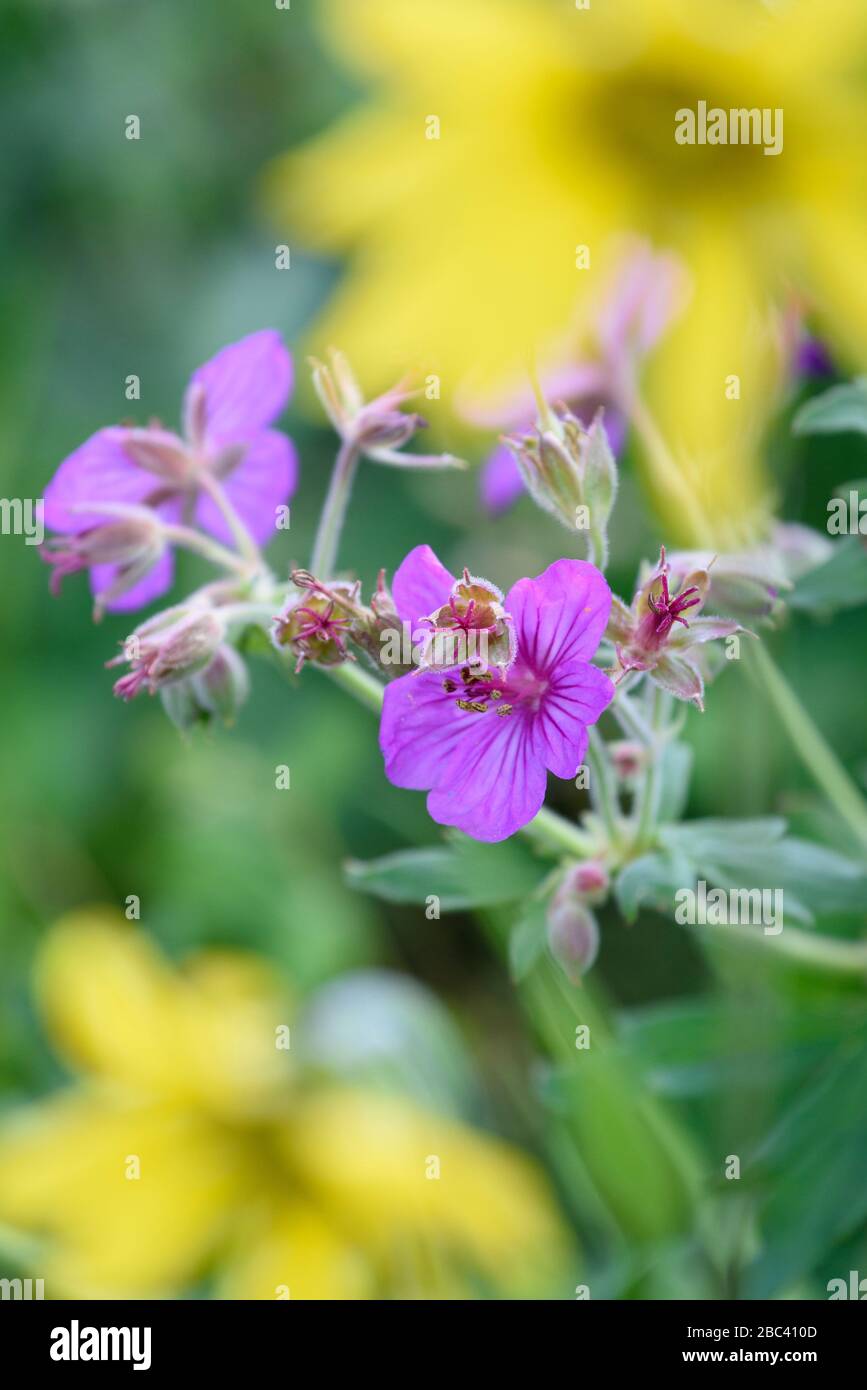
[(377, 428), (571, 473), (224, 684), (168, 648), (589, 879), (573, 935), (628, 759)]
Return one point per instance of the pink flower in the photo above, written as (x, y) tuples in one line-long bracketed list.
[(229, 406), (481, 742)]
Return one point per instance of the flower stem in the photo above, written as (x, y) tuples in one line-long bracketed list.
[(648, 796), (812, 748), (324, 556), (200, 544), (217, 493), (602, 789), (828, 954)]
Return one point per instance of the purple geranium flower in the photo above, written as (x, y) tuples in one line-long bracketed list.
[(229, 405), (481, 744)]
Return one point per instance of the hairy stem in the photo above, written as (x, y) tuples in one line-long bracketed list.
[(244, 541), (810, 744), (200, 544), (603, 792), (648, 795), (324, 557)]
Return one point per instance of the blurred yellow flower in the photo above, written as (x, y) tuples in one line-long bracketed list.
[(501, 135), (191, 1146)]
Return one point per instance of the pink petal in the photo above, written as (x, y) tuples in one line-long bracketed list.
[(98, 471), (421, 585), (494, 784), (576, 696), (560, 615), (484, 777), (152, 585), (264, 480), (247, 385)]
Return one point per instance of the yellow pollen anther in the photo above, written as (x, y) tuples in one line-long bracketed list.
[(505, 709)]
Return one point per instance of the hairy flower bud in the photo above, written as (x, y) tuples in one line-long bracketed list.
[(571, 472), (217, 691), (377, 428), (168, 648), (573, 935)]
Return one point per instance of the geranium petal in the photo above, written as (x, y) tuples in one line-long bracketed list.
[(247, 385), (560, 615), (99, 470), (576, 696), (494, 783), (481, 770), (264, 480), (152, 585), (420, 726), (421, 585)]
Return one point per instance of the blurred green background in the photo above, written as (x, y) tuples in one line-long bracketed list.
[(146, 256)]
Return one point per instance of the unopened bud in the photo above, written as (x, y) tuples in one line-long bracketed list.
[(573, 935), (168, 648), (628, 759)]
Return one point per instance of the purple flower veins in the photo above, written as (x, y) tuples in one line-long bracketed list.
[(481, 742)]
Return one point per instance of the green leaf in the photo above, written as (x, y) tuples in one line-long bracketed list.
[(652, 881), (841, 408), (674, 773), (841, 582), (703, 1047), (463, 875), (722, 837), (810, 1174), (527, 940)]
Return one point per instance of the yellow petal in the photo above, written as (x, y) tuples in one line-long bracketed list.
[(206, 1036), (290, 1251), (68, 1170), (392, 1173)]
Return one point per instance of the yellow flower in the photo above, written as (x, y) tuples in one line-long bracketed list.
[(190, 1145), (556, 129)]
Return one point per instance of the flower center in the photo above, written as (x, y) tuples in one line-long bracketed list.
[(478, 692), (636, 115)]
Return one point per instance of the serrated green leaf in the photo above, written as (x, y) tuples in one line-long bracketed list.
[(527, 940), (841, 582), (463, 875)]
